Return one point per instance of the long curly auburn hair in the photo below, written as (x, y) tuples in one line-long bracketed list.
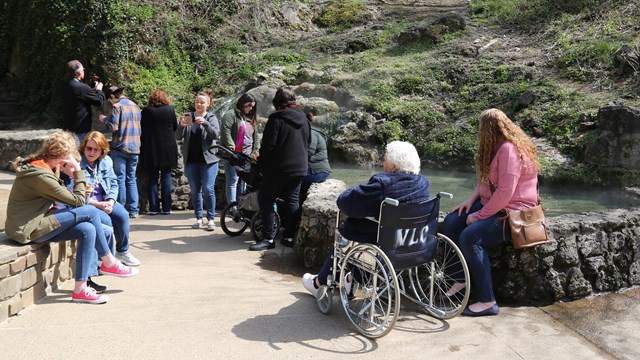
[(495, 127)]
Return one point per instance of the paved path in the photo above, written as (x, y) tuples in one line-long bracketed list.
[(202, 295)]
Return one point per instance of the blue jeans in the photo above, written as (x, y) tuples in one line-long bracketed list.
[(287, 188), (233, 184), (81, 223), (202, 179), (125, 165), (309, 179), (164, 174), (474, 240), (119, 221)]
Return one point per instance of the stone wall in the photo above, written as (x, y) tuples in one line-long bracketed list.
[(29, 272), (588, 253)]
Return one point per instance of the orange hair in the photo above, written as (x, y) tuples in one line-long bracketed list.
[(99, 138)]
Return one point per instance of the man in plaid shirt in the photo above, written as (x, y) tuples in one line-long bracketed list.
[(124, 123)]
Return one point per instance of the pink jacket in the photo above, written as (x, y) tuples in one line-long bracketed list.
[(516, 188)]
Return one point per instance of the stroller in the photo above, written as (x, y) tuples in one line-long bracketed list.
[(244, 213)]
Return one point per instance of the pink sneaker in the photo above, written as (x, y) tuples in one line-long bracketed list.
[(118, 269), (89, 296)]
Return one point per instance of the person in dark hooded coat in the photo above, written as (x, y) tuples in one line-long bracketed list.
[(283, 162)]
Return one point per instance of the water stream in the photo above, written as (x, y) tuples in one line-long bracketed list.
[(556, 199)]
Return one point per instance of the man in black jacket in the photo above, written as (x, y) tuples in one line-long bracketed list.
[(77, 98), (283, 162)]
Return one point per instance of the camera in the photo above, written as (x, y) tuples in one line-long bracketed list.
[(93, 80)]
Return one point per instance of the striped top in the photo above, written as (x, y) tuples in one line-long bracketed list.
[(124, 123)]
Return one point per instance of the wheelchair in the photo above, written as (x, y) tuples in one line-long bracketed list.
[(410, 259)]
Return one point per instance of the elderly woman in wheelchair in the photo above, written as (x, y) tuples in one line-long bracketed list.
[(393, 249)]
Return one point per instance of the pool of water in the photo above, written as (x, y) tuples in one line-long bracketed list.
[(556, 199)]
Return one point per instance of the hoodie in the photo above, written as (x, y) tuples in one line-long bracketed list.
[(33, 193), (285, 144)]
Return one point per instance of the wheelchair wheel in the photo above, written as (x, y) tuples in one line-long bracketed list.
[(431, 281), (325, 299), (256, 226), (373, 303), (233, 224)]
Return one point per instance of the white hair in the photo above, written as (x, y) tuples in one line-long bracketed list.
[(404, 156)]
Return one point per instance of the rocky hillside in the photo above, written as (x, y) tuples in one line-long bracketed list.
[(373, 71)]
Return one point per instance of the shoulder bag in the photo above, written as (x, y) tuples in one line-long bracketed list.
[(528, 227)]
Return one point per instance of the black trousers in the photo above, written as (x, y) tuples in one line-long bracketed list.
[(288, 189)]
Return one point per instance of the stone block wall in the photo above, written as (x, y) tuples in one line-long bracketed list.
[(317, 225), (29, 272), (589, 253)]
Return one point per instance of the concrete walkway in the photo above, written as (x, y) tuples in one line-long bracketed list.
[(202, 295)]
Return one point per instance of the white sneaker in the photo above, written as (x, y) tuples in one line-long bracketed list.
[(127, 258), (197, 224), (308, 281), (348, 285), (210, 225)]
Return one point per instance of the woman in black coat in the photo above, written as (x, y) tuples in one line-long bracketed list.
[(159, 151)]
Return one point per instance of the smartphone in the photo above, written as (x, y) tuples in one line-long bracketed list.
[(188, 119)]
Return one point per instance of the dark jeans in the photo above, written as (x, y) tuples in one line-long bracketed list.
[(311, 178), (288, 189), (474, 240), (164, 174)]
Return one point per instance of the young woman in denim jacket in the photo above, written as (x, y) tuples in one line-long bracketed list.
[(98, 167)]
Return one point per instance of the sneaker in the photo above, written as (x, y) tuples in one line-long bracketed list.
[(308, 281), (88, 295), (166, 212), (133, 215), (288, 242), (197, 224), (262, 245), (152, 213), (348, 285), (98, 288), (210, 225), (118, 269), (127, 258)]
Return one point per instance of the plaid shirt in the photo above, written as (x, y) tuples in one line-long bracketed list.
[(124, 123)]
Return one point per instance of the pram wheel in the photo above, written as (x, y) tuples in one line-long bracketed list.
[(232, 220), (256, 226)]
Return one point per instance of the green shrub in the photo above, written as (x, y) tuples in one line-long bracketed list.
[(343, 13)]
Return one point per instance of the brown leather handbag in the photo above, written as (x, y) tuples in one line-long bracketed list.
[(528, 227)]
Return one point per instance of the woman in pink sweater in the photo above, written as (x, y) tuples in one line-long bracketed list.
[(507, 168)]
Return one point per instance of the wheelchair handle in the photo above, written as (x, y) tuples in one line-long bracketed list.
[(445, 194), (391, 201)]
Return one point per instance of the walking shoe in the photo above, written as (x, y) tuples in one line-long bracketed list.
[(348, 285), (127, 258), (133, 215), (166, 212), (210, 225), (288, 242), (118, 269), (152, 213), (308, 281), (262, 245), (98, 288), (197, 224), (88, 295)]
